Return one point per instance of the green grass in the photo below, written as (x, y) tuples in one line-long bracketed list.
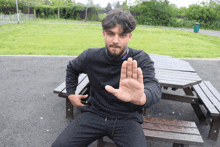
[(67, 38)]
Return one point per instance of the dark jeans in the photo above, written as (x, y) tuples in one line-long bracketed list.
[(88, 127)]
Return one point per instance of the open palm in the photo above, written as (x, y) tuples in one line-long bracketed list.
[(131, 88)]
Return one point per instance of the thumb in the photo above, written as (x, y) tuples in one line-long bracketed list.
[(110, 89)]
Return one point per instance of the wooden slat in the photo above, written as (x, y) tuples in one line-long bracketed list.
[(82, 85), (169, 128), (177, 84), (174, 131), (167, 62), (210, 96), (173, 137), (179, 74), (209, 106), (60, 88), (170, 122), (213, 90)]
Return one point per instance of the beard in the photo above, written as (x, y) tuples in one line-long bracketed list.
[(114, 54)]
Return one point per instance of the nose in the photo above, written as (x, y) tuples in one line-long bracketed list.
[(116, 39)]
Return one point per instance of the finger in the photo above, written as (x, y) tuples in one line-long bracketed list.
[(123, 70), (129, 68), (111, 90), (140, 76), (134, 66), (84, 96)]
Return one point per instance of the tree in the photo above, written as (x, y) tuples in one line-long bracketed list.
[(117, 5), (153, 12), (108, 8), (91, 3)]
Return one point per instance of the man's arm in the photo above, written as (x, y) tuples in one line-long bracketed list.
[(74, 68)]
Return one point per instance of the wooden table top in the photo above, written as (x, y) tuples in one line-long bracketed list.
[(173, 72)]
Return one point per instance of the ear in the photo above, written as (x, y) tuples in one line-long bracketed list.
[(103, 33), (130, 35)]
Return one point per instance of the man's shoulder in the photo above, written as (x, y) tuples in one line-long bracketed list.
[(138, 53)]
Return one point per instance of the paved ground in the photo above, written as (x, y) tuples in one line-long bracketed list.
[(32, 116)]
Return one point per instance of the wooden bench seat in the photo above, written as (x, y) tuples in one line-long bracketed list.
[(210, 99), (179, 133)]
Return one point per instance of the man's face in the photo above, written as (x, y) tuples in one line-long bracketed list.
[(116, 41)]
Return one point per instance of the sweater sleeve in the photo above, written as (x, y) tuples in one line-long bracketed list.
[(152, 87), (74, 68)]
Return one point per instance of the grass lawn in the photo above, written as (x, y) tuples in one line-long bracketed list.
[(66, 38)]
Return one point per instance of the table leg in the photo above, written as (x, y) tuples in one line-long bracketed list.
[(69, 109), (200, 115), (214, 129), (179, 145)]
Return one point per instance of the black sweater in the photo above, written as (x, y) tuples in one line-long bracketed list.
[(102, 71)]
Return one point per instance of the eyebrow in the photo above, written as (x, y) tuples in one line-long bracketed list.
[(109, 31)]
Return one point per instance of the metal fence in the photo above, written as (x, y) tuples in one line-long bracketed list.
[(14, 17)]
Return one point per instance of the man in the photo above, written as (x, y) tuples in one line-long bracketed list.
[(122, 82)]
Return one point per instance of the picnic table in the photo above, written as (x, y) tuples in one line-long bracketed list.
[(173, 75), (178, 74)]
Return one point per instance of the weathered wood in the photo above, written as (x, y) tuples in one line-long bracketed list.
[(170, 122), (214, 129), (179, 98), (175, 131), (213, 90), (170, 128), (69, 109), (60, 88), (173, 137), (200, 115), (180, 133), (179, 145), (210, 98), (206, 101)]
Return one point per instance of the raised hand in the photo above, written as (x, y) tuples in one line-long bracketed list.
[(131, 87)]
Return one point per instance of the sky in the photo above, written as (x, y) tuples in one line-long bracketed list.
[(179, 3)]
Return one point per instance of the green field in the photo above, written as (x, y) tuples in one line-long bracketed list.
[(68, 38)]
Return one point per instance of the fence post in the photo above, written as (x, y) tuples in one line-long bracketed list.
[(17, 11)]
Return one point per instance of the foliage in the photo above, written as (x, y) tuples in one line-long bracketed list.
[(76, 12), (207, 15), (153, 13), (108, 8), (180, 12)]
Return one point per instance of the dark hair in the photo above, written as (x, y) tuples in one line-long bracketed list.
[(117, 16)]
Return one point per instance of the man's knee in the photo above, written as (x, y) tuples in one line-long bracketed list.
[(59, 144)]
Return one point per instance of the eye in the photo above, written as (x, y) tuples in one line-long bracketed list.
[(122, 35), (110, 33)]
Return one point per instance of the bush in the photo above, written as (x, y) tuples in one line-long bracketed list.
[(153, 13), (73, 12)]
